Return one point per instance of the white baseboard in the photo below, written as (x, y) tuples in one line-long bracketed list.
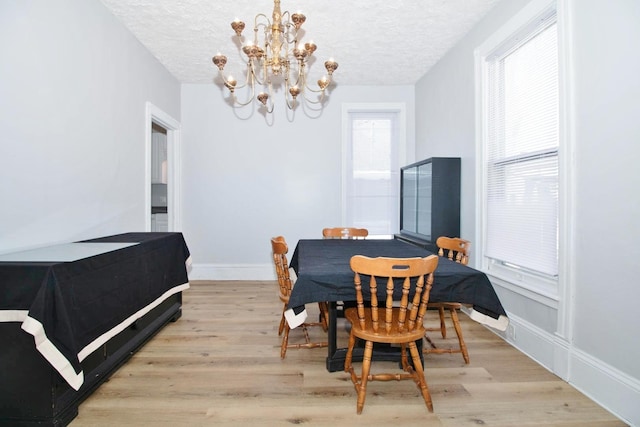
[(232, 272), (615, 391)]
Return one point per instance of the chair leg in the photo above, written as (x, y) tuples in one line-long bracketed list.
[(349, 356), (431, 343), (285, 341), (458, 328), (366, 368), (403, 358), (462, 347), (421, 381), (443, 326), (324, 315), (282, 322), (307, 339)]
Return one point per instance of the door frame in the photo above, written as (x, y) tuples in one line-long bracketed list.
[(155, 115)]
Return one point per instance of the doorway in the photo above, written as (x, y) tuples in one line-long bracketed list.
[(162, 171), (159, 178)]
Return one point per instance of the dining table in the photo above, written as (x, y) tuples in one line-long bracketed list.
[(323, 273)]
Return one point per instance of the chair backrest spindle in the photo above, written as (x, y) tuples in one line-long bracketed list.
[(454, 248)]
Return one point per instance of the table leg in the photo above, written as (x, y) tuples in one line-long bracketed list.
[(336, 356), (333, 364)]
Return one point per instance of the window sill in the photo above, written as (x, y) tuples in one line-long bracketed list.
[(543, 291)]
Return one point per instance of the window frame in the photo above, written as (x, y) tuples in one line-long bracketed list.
[(546, 290), (372, 108)]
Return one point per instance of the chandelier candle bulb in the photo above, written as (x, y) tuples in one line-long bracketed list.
[(276, 59), (230, 83)]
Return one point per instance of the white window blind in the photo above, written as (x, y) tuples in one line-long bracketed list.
[(522, 131), (372, 172)]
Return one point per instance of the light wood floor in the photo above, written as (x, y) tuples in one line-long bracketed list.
[(219, 364)]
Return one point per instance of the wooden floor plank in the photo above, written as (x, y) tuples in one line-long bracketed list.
[(219, 365)]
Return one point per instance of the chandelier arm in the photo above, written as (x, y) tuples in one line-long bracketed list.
[(270, 100), (321, 92), (289, 29), (257, 24), (226, 79), (270, 109), (311, 89), (256, 76), (265, 30), (248, 101), (299, 75), (288, 98), (319, 100), (291, 104), (250, 82), (291, 39)]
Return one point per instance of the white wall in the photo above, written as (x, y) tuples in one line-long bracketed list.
[(73, 87), (607, 133), (598, 348), (247, 180)]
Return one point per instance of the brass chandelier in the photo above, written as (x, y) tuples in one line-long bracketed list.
[(279, 59)]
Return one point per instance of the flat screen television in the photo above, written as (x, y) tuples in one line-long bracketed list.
[(430, 200)]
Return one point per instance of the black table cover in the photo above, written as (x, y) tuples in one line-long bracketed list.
[(324, 274), (72, 308)]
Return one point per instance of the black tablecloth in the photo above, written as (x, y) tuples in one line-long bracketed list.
[(324, 274), (74, 307)]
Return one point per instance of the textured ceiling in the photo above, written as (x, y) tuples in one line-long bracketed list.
[(375, 42)]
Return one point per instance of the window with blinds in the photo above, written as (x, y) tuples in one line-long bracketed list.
[(521, 138)]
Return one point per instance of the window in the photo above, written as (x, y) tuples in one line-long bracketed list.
[(372, 155), (520, 141)]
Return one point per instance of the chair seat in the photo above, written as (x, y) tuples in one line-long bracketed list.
[(393, 336)]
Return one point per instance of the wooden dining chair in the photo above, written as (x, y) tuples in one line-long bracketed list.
[(344, 233), (395, 318), (455, 249), (285, 285)]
